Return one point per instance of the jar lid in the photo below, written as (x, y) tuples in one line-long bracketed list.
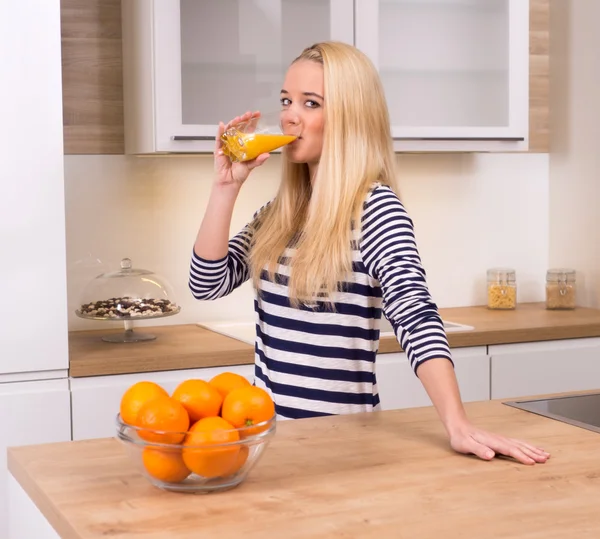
[(501, 274), (566, 275)]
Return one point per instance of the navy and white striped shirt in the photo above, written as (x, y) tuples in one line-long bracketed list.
[(317, 362)]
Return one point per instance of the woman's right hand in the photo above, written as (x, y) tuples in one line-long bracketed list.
[(229, 173)]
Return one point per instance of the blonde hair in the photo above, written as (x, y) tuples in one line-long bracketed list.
[(317, 219)]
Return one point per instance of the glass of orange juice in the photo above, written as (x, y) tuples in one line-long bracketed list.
[(261, 134)]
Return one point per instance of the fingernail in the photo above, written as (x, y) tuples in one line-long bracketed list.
[(489, 454)]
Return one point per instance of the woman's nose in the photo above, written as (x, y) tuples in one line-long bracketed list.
[(289, 118)]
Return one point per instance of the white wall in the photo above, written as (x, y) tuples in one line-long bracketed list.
[(575, 159), (471, 212)]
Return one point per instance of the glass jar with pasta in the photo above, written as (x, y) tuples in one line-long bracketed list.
[(560, 289), (501, 288)]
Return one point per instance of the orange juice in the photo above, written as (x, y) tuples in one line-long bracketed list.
[(240, 146)]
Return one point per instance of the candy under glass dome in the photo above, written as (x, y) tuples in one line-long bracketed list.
[(128, 294)]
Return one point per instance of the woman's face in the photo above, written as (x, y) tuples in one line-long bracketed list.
[(302, 114)]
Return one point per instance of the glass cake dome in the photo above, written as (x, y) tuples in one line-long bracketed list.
[(128, 294)]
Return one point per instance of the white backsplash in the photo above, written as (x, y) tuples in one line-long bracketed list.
[(471, 212)]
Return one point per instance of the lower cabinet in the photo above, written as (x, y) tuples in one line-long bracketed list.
[(529, 369), (399, 387), (30, 413), (496, 372), (96, 399)]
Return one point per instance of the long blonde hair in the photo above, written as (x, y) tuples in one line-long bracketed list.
[(317, 219)]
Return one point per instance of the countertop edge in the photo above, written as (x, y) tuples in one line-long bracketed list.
[(85, 359)]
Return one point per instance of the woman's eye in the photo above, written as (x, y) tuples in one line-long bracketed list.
[(312, 104), (285, 101)]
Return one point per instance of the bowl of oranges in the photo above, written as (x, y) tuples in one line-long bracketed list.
[(204, 437)]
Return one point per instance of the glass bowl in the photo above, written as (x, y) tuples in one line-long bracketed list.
[(128, 294), (217, 467)]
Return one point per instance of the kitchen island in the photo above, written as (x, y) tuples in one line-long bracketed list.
[(381, 475)]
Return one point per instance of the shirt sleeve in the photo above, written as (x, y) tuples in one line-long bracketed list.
[(389, 252), (214, 279)]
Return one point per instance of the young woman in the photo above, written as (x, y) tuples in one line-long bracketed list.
[(330, 253)]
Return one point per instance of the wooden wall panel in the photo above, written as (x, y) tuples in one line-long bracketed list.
[(92, 78), (93, 83), (539, 76)]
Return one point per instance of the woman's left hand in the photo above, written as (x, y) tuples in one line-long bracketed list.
[(469, 439)]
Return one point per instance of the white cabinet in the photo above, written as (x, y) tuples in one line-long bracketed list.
[(30, 413), (455, 72), (34, 330), (188, 64), (96, 399), (528, 369), (26, 520), (399, 387)]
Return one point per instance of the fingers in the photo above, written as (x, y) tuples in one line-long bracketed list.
[(481, 450), (258, 161), (219, 141), (518, 454), (520, 451), (535, 453), (537, 450), (241, 119)]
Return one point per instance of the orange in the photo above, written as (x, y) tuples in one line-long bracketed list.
[(165, 464), (163, 414), (226, 382), (137, 395), (248, 406), (199, 398), (201, 450), (239, 461)]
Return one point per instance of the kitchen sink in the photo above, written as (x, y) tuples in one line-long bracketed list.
[(578, 410), (246, 332), (450, 327)]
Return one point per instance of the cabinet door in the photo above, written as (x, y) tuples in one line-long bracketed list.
[(34, 329), (216, 60), (453, 70), (400, 388), (30, 413), (529, 369), (96, 399)]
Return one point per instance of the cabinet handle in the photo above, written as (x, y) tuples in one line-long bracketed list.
[(192, 137), (502, 139), (489, 139)]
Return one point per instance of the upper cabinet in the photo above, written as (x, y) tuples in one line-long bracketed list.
[(455, 72), (188, 64)]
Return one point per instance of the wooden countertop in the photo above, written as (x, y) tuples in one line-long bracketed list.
[(190, 346), (379, 475)]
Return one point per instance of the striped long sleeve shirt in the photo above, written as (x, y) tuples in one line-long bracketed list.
[(314, 361)]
